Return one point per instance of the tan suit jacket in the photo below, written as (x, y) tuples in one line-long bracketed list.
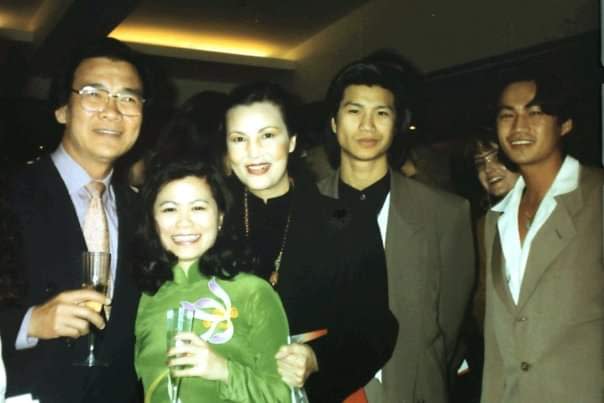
[(430, 264), (549, 347)]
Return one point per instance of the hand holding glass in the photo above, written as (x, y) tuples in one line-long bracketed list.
[(178, 320), (95, 275)]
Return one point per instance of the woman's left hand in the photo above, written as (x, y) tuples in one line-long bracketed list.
[(196, 359)]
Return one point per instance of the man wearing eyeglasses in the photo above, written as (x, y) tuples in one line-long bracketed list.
[(99, 101)]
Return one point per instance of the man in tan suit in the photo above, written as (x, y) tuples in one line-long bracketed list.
[(544, 327), (426, 232)]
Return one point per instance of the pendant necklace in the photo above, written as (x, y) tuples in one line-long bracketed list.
[(274, 277)]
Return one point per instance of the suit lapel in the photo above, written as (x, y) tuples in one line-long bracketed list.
[(63, 230), (329, 186), (403, 221), (499, 281), (555, 234)]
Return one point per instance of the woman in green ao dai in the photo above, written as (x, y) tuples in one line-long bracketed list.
[(184, 261)]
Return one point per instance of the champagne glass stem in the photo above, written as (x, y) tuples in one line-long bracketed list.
[(174, 389)]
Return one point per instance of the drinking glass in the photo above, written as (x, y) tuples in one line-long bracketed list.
[(178, 320), (95, 275)]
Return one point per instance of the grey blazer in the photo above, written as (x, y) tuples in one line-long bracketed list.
[(430, 264), (550, 346)]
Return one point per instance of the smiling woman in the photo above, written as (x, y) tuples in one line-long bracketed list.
[(184, 261)]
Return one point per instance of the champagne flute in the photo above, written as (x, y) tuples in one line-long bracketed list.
[(178, 320), (95, 275)]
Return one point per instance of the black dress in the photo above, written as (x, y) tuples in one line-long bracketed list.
[(332, 275)]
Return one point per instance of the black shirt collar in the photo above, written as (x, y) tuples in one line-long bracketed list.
[(371, 199)]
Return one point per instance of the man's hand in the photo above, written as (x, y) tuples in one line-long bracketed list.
[(295, 363), (65, 315)]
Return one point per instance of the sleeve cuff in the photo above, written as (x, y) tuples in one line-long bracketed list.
[(23, 341)]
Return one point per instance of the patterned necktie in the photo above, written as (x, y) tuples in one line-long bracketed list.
[(96, 230)]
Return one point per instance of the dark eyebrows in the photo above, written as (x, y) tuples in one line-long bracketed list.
[(534, 102), (358, 105), (270, 127), (205, 201)]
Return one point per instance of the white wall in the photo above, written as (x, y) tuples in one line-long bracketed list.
[(436, 34)]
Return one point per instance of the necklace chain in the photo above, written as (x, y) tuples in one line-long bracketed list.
[(274, 277)]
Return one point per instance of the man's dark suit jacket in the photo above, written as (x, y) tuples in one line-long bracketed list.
[(52, 245)]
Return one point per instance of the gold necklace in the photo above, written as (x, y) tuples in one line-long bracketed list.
[(274, 277)]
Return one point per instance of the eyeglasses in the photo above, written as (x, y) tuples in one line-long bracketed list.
[(94, 99), (481, 160)]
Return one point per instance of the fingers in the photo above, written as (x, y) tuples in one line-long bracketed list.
[(78, 318), (295, 363), (194, 357), (63, 316), (73, 327), (191, 338), (83, 295), (293, 376)]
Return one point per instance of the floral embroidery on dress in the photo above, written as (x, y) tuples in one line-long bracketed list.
[(216, 314)]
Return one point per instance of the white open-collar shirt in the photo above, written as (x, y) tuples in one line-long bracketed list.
[(516, 252)]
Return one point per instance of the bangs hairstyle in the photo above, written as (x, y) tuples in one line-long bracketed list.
[(109, 48), (400, 79), (287, 103), (552, 94), (483, 142), (152, 262)]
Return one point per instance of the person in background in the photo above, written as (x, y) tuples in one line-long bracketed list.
[(326, 263), (426, 233), (495, 175), (544, 264), (186, 259), (99, 101)]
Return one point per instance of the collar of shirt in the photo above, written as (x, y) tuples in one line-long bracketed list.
[(76, 178), (565, 181), (371, 198), (191, 276), (515, 252)]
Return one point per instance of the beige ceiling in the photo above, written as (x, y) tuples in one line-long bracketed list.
[(264, 28)]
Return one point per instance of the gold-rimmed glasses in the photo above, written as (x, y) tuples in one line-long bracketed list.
[(95, 99)]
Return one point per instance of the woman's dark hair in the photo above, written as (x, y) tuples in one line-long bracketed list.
[(288, 105), (484, 140), (106, 47), (152, 263), (383, 69)]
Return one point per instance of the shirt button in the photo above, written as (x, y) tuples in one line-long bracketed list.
[(525, 366), (521, 319), (363, 196)]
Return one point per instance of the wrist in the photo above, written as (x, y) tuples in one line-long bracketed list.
[(32, 329), (223, 372)]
